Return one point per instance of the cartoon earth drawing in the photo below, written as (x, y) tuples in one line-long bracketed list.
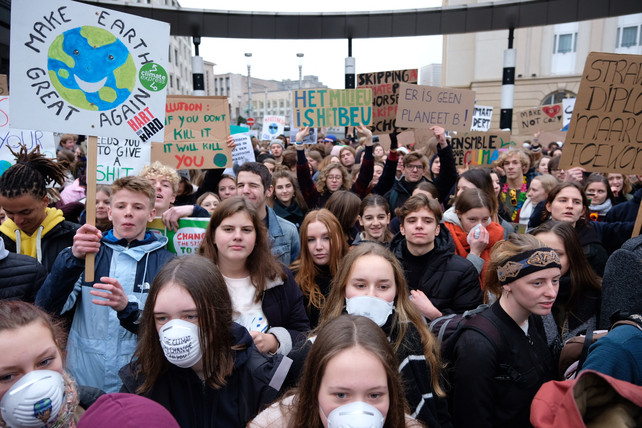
[(91, 68)]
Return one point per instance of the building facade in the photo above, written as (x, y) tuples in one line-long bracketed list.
[(549, 59)]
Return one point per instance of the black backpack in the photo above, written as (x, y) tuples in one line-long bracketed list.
[(444, 326)]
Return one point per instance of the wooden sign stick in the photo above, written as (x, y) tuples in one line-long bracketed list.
[(638, 223), (90, 203)]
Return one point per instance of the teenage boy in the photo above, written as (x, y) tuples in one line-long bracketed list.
[(127, 260), (440, 281), (254, 183)]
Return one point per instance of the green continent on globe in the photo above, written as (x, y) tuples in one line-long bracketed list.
[(91, 68)]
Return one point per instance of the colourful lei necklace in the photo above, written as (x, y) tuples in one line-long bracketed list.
[(516, 198)]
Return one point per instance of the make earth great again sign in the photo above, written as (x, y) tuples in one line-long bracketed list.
[(82, 69)]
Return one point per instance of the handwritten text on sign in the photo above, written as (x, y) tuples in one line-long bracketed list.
[(385, 93), (542, 118), (195, 133), (481, 118), (480, 148), (120, 158), (87, 70), (427, 106), (332, 107), (11, 139), (605, 133)]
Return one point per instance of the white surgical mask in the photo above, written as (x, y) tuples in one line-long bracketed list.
[(180, 343), (355, 415), (34, 400), (378, 310)]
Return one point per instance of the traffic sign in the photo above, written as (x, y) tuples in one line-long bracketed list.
[(250, 121)]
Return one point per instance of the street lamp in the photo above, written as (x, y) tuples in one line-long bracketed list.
[(248, 55), (300, 56)]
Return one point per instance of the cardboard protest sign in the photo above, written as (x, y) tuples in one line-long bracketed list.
[(186, 239), (480, 148), (385, 96), (481, 118), (605, 133), (542, 118), (273, 126), (4, 85), (118, 157), (12, 139), (84, 69), (195, 133), (426, 106), (331, 107)]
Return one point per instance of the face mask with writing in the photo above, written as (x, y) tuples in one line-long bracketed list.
[(180, 343)]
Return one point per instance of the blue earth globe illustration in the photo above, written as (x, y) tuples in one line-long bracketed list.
[(91, 68)]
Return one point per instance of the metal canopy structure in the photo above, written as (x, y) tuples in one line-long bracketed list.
[(487, 16)]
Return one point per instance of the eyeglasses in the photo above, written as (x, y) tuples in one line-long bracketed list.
[(415, 167), (335, 177)]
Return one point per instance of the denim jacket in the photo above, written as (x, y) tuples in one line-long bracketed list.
[(284, 238)]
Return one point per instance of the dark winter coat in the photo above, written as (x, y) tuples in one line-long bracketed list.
[(254, 383), (494, 383), (20, 276), (450, 282), (57, 239)]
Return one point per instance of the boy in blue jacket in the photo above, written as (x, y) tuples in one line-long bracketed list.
[(127, 260)]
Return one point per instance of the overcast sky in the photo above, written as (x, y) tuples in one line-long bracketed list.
[(276, 59)]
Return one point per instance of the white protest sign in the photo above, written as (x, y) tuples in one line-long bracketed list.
[(568, 104), (481, 118), (273, 126), (119, 157), (12, 139), (87, 70), (243, 152)]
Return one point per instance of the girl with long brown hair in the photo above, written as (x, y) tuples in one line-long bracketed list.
[(350, 378), (191, 357), (266, 299), (371, 282), (323, 245)]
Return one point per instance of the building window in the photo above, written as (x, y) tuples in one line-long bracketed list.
[(171, 81), (565, 43), (175, 56), (629, 37), (556, 97)]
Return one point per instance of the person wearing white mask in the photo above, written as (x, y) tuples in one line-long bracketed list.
[(370, 282), (192, 358), (350, 379), (35, 391)]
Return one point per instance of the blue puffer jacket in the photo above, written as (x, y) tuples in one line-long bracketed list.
[(98, 346)]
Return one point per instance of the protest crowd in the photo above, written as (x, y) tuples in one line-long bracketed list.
[(335, 275), (418, 272)]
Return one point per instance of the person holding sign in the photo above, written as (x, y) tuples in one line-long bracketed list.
[(127, 260), (334, 176), (415, 166), (32, 228)]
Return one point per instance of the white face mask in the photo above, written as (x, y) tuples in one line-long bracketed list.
[(378, 310), (180, 343), (355, 415), (34, 400)]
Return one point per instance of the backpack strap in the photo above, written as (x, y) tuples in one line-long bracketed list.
[(588, 341)]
